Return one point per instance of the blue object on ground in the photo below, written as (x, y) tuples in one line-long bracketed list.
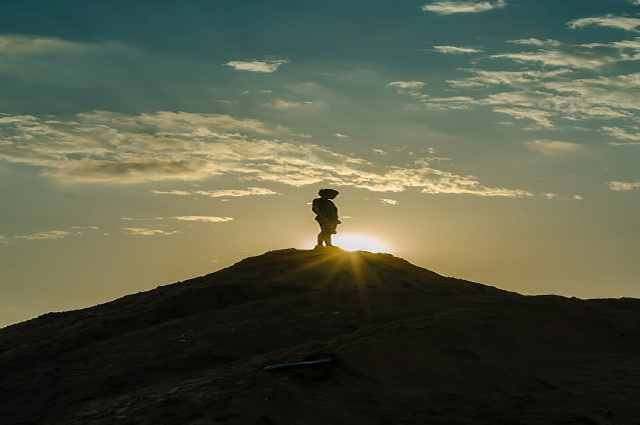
[(319, 360)]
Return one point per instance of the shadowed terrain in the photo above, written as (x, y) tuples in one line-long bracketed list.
[(413, 347)]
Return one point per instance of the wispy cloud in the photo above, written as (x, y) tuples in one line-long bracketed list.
[(25, 44), (552, 147), (48, 235), (449, 103), (447, 7), (456, 50), (539, 117), (623, 133), (544, 95), (257, 65), (536, 42), (204, 218), (148, 232), (407, 84), (285, 104), (292, 104), (576, 59), (508, 78), (388, 201), (172, 192), (252, 191), (620, 22), (227, 193), (623, 186), (119, 148)]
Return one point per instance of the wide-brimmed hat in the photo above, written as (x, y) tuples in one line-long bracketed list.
[(328, 193)]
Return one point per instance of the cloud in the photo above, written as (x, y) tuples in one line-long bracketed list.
[(127, 149), (285, 104), (448, 7), (509, 78), (623, 143), (623, 186), (171, 192), (633, 45), (168, 123), (25, 44), (542, 95), (4, 240), (623, 133), (550, 147), (48, 235), (148, 232), (407, 84), (228, 193), (388, 201), (207, 219), (536, 42), (620, 91), (257, 65), (55, 62), (539, 117), (620, 22), (252, 191), (341, 136), (291, 104), (576, 59), (449, 103), (456, 50)]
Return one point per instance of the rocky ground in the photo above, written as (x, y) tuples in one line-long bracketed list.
[(412, 347)]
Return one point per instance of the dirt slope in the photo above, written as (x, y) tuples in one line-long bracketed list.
[(414, 348)]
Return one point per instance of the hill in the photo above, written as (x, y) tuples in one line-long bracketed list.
[(412, 347)]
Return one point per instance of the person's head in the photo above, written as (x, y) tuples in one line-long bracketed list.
[(328, 193)]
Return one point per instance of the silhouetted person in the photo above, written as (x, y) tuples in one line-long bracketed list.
[(326, 215)]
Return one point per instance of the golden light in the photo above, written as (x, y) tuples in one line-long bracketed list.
[(357, 242)]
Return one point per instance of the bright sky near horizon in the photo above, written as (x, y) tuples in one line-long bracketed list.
[(142, 143)]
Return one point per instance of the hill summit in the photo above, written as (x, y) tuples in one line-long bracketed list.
[(400, 345)]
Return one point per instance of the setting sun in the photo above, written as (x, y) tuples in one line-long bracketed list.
[(356, 242)]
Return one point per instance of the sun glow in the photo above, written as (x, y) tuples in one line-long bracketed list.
[(356, 242)]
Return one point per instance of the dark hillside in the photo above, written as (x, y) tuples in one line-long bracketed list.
[(414, 348)]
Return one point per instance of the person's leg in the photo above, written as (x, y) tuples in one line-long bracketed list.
[(325, 234), (322, 236)]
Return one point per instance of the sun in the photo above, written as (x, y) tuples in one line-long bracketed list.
[(357, 242)]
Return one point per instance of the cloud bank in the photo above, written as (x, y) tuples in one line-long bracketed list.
[(109, 147)]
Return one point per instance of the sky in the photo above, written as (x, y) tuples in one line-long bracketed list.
[(144, 143)]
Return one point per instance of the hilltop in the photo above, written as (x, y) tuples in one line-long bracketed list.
[(412, 347)]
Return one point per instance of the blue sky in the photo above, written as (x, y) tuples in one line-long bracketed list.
[(147, 142)]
